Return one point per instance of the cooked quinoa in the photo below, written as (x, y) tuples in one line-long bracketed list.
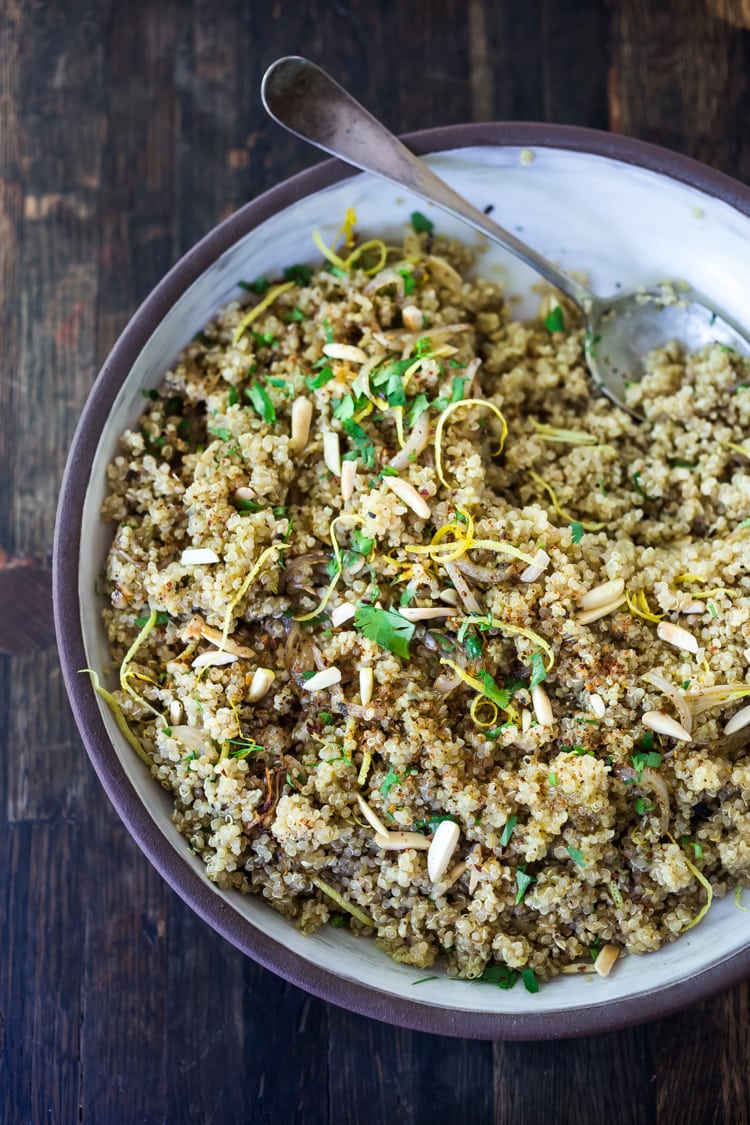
[(473, 704)]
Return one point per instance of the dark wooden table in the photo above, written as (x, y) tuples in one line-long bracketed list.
[(126, 131)]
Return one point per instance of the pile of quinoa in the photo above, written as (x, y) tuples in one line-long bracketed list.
[(490, 781)]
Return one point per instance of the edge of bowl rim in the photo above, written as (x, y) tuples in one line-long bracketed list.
[(186, 882)]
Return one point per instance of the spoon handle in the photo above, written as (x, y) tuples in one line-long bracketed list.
[(305, 100)]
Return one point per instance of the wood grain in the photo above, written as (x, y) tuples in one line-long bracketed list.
[(126, 133)]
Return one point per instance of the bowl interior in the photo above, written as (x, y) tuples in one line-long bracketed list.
[(622, 226)]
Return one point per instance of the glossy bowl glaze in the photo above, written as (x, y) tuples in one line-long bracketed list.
[(623, 212)]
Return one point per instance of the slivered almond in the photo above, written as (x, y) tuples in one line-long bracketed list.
[(260, 683), (596, 703), (342, 613), (450, 597), (455, 873), (441, 848), (693, 607), (408, 493), (348, 352), (608, 954), (213, 659), (587, 616), (198, 556), (332, 452), (542, 706), (175, 712), (537, 568), (412, 318), (244, 493), (302, 412), (348, 477), (677, 636), (738, 721), (399, 841), (426, 613), (525, 720), (662, 723), (473, 879), (366, 685), (371, 816), (321, 680), (602, 595)]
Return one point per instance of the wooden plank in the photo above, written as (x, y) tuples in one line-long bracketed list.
[(40, 973), (583, 1081), (381, 1073)]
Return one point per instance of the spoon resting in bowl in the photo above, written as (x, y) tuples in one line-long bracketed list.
[(620, 330)]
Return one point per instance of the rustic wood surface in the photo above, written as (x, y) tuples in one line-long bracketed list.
[(126, 131)]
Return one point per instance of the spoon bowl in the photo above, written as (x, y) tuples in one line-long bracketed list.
[(620, 330)]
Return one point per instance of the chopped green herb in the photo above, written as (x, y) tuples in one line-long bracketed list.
[(261, 403), (336, 270), (407, 596), (423, 980), (538, 670), (688, 843), (362, 443), (554, 321), (647, 742), (409, 282), (473, 646), (500, 696), (523, 882), (418, 406), (639, 487), (267, 339), (457, 388), (576, 531), (387, 629), (225, 435), (500, 975), (294, 316), (530, 983), (314, 382), (423, 347), (327, 331), (343, 408), (643, 806), (646, 758), (190, 757), (421, 224), (745, 523), (234, 398), (576, 855), (712, 610), (258, 286), (152, 394), (300, 274), (391, 779), (507, 832), (361, 543), (552, 778), (161, 619), (338, 921)]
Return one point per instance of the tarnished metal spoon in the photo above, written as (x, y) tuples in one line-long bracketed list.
[(619, 329)]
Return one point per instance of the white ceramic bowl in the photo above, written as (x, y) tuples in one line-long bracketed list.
[(623, 212)]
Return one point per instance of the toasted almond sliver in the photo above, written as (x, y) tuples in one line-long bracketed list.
[(321, 680), (348, 477), (213, 659), (399, 841), (608, 954), (244, 493), (371, 816), (596, 703), (587, 616), (738, 721), (693, 607), (175, 712), (412, 318), (345, 351), (426, 613), (342, 613), (536, 569), (450, 597), (366, 685), (408, 493), (198, 556), (525, 720), (260, 683), (441, 849), (542, 706), (302, 412), (663, 723), (577, 967), (602, 595), (677, 636), (332, 452), (455, 873)]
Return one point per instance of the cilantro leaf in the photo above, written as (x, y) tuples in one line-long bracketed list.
[(642, 759), (387, 629), (423, 347), (391, 779), (490, 689), (344, 408), (300, 274), (418, 407), (361, 543), (261, 403), (554, 321), (421, 223), (523, 882), (507, 832), (457, 389), (225, 435), (642, 806), (314, 382), (576, 531), (576, 855), (500, 975), (364, 447)]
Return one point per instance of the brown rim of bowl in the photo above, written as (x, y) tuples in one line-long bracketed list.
[(165, 857)]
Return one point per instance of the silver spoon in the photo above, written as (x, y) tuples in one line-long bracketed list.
[(619, 329)]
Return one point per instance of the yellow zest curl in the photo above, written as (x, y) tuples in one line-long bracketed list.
[(638, 605), (472, 681), (345, 517), (274, 292), (118, 716), (589, 525), (516, 630), (481, 701), (262, 558), (738, 898), (565, 437), (126, 675), (705, 884), (347, 227), (445, 415), (364, 769), (743, 449), (328, 253), (371, 245), (344, 903)]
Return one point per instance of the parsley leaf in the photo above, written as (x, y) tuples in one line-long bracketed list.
[(421, 223), (554, 321), (423, 347), (364, 447), (538, 670), (576, 532), (500, 975), (314, 382), (361, 543), (391, 779), (344, 408), (261, 403), (387, 629), (300, 274), (507, 832), (645, 758), (643, 806), (418, 407), (225, 435), (258, 286), (497, 695), (523, 882)]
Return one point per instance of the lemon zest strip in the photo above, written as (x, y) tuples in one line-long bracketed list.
[(126, 675), (327, 252), (445, 415), (274, 292), (349, 517), (255, 571), (122, 722), (356, 254), (482, 701), (517, 630), (347, 227), (638, 605), (589, 525), (364, 769), (704, 883), (344, 903)]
